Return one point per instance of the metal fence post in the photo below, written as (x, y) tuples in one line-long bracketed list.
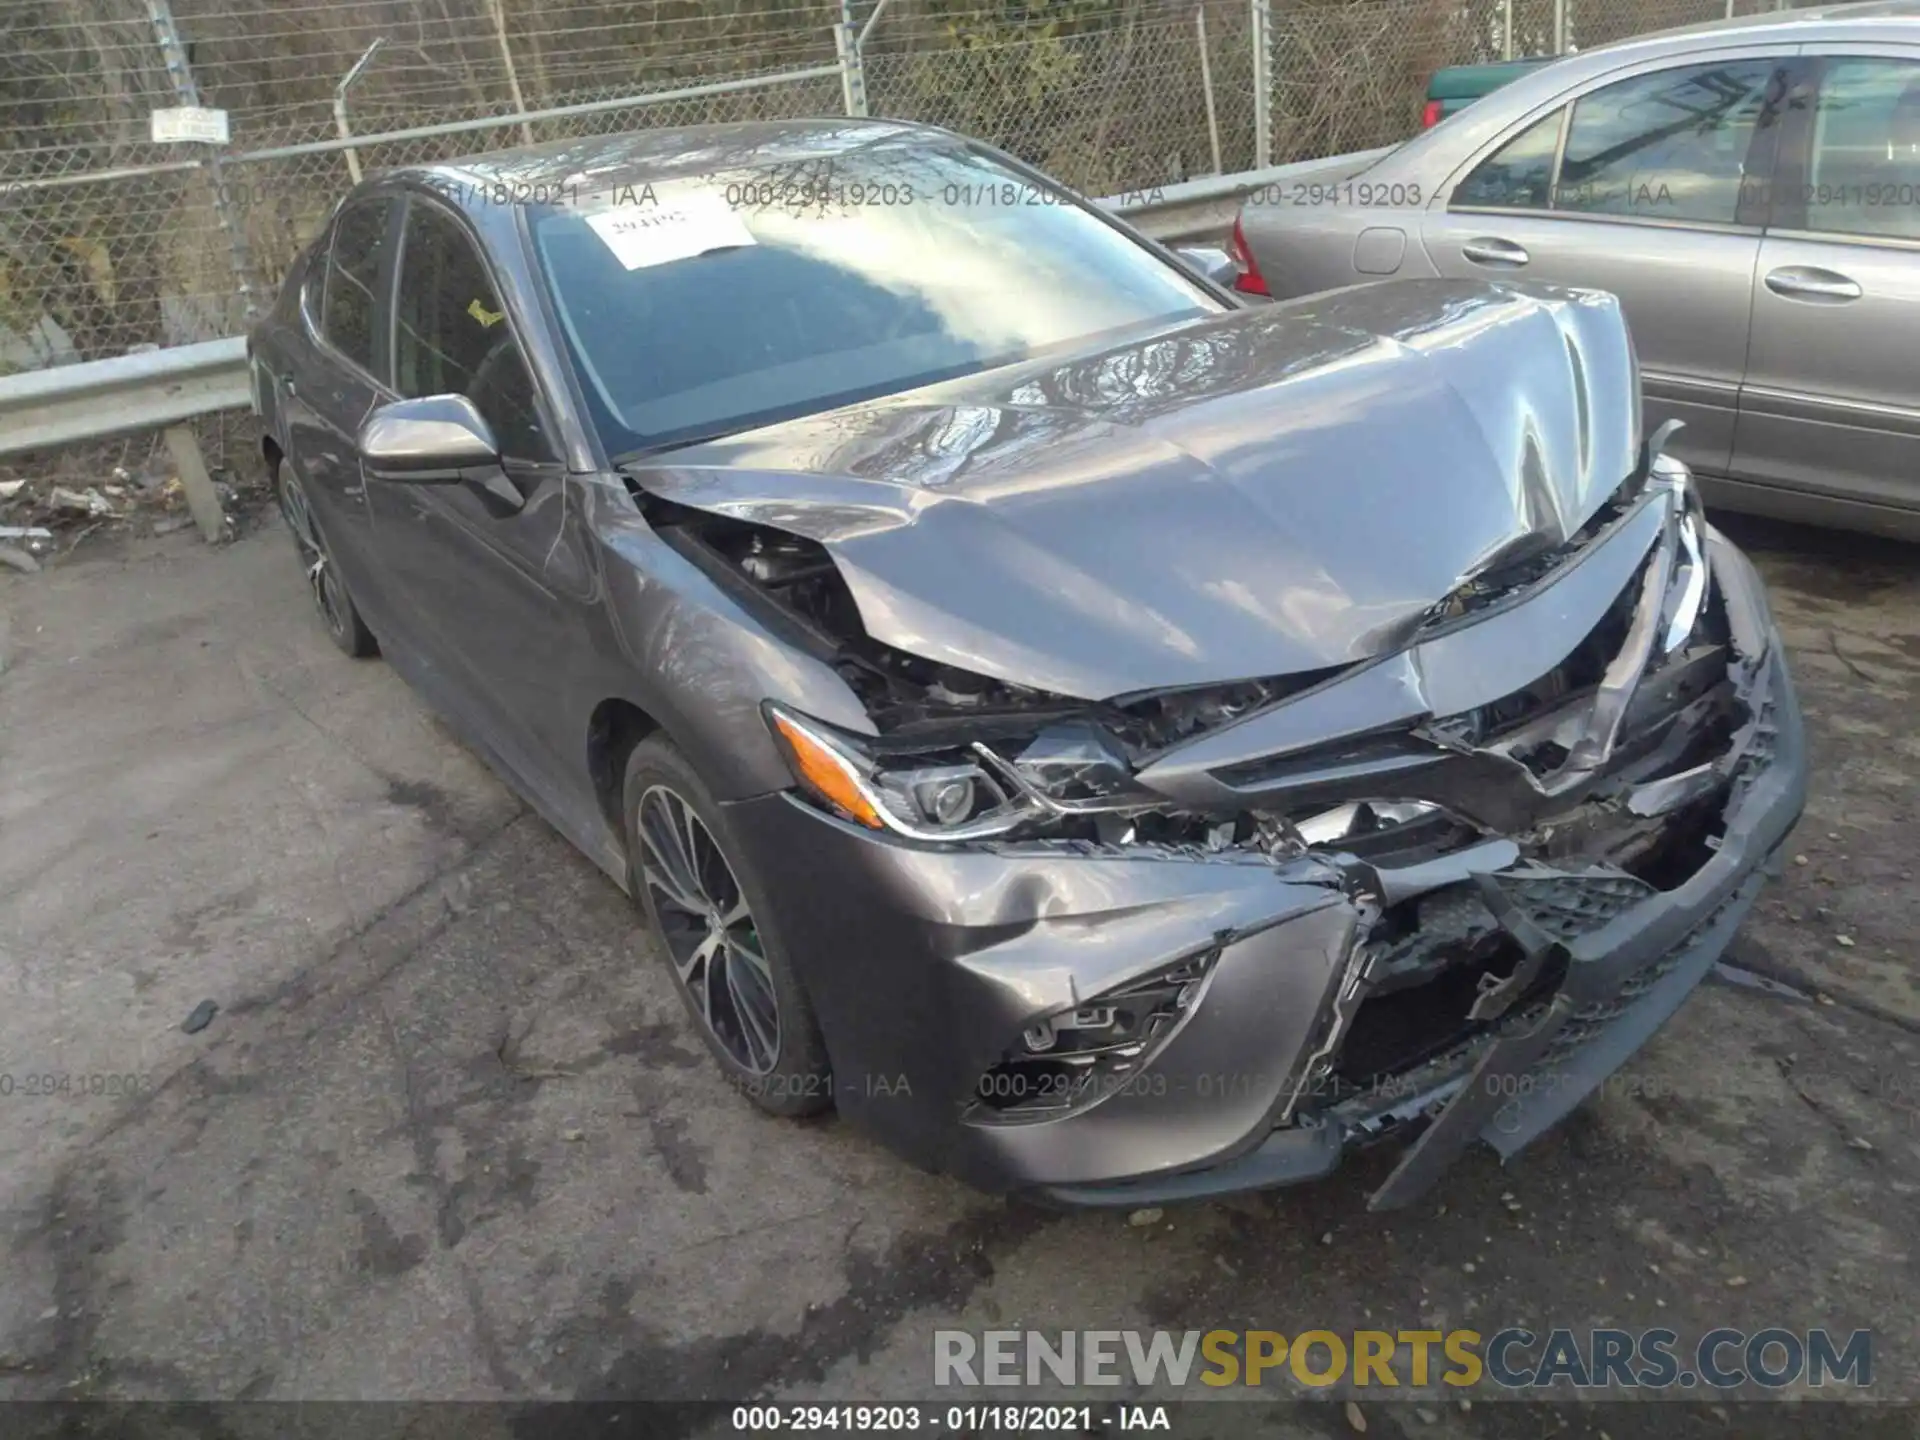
[(1559, 27), (847, 39), (1206, 85), (1506, 29), (340, 104), (203, 501), (187, 92), (1262, 86), (498, 7)]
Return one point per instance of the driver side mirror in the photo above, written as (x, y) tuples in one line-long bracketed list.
[(435, 440)]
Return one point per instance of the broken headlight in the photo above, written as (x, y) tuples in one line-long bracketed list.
[(954, 791)]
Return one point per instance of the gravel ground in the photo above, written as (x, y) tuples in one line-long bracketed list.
[(448, 1135)]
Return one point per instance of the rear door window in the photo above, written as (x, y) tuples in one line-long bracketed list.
[(1669, 145)]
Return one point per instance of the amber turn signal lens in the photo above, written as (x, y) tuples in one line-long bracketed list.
[(824, 772)]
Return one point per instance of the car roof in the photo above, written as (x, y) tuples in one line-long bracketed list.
[(1464, 132), (640, 157), (1869, 12)]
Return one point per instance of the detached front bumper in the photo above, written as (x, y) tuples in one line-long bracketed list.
[(926, 965)]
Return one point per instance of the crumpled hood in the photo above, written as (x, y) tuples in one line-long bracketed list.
[(1271, 491)]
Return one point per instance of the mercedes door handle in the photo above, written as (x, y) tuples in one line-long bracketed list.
[(1491, 250), (1810, 282)]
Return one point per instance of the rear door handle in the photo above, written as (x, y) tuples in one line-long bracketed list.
[(1492, 250), (1810, 282)]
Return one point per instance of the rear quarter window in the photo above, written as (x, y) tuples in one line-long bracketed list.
[(1517, 176)]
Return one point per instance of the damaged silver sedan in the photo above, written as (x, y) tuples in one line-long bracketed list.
[(1112, 743)]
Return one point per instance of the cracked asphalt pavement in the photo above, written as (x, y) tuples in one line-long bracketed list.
[(448, 1134)]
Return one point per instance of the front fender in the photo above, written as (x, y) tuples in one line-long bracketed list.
[(702, 666)]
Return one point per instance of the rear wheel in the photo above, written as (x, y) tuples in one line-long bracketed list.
[(324, 581), (710, 917)]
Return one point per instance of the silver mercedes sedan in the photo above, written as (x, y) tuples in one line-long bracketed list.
[(1750, 189)]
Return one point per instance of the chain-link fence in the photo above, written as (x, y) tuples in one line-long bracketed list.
[(110, 242)]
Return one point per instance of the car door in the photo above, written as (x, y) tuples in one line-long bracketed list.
[(331, 379), (1649, 184), (494, 571), (1831, 402)]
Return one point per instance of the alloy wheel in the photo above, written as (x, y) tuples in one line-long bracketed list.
[(709, 930), (322, 580)]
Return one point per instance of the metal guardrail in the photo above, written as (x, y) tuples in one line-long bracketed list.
[(150, 391), (155, 390), (163, 389)]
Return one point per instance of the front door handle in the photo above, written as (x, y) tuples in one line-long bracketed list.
[(1492, 250), (1810, 282)]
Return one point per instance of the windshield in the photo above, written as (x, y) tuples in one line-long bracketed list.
[(704, 306)]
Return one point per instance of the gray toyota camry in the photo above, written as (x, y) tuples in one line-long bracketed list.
[(1115, 744)]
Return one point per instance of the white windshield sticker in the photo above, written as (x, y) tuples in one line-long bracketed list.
[(656, 234)]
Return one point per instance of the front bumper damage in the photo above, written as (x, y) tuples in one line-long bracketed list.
[(1287, 1048)]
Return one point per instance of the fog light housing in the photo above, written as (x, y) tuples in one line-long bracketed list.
[(1075, 1058)]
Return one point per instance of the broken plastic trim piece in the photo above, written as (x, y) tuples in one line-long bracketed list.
[(1336, 1022), (1376, 888), (1387, 886), (1673, 593), (1538, 947), (1331, 826), (1592, 750), (1691, 572), (1689, 591), (1658, 797)]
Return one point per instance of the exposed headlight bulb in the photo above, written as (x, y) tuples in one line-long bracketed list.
[(946, 801)]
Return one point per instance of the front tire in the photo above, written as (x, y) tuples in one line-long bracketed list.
[(711, 919), (326, 585)]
